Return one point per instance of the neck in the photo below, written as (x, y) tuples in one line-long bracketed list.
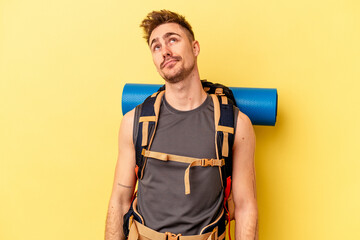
[(187, 94)]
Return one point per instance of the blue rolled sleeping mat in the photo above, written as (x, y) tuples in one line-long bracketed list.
[(259, 104)]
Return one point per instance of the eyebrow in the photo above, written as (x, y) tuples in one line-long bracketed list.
[(153, 41), (166, 35)]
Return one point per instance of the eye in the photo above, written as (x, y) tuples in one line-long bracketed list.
[(172, 40), (156, 47)]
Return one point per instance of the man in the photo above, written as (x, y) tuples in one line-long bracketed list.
[(185, 128)]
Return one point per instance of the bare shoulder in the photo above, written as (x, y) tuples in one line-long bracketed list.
[(128, 118), (127, 125), (244, 130)]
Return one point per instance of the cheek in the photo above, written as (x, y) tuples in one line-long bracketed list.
[(157, 61), (190, 58)]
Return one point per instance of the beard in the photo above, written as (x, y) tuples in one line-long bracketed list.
[(179, 75)]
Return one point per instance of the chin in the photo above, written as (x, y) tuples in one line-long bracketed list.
[(174, 78), (177, 75)]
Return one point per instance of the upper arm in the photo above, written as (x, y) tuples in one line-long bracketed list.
[(243, 177), (124, 179)]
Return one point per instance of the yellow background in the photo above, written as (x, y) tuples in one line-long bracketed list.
[(63, 65)]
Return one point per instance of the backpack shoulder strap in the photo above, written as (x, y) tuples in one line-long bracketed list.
[(224, 141), (146, 128), (224, 138)]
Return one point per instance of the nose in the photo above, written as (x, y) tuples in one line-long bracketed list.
[(166, 52)]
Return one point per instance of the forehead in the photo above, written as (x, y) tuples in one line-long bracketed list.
[(162, 29)]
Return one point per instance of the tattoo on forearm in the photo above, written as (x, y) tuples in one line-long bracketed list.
[(121, 185)]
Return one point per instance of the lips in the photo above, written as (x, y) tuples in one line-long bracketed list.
[(168, 61)]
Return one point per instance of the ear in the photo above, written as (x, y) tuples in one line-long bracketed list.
[(196, 48)]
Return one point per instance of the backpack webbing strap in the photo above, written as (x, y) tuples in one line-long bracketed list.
[(156, 110), (147, 126), (171, 157), (216, 122), (216, 119), (145, 131), (225, 137), (203, 162), (225, 145), (224, 100), (218, 110), (226, 130)]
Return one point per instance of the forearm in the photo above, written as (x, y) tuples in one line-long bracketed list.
[(246, 223), (114, 221)]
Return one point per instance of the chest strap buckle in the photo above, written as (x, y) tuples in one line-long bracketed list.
[(207, 162)]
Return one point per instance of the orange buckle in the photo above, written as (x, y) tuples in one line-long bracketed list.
[(219, 92), (207, 162), (222, 162), (172, 236)]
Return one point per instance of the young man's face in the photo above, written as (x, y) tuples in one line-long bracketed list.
[(174, 54)]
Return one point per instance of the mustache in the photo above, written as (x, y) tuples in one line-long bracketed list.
[(177, 58)]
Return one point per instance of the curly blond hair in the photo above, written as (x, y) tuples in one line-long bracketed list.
[(156, 18)]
